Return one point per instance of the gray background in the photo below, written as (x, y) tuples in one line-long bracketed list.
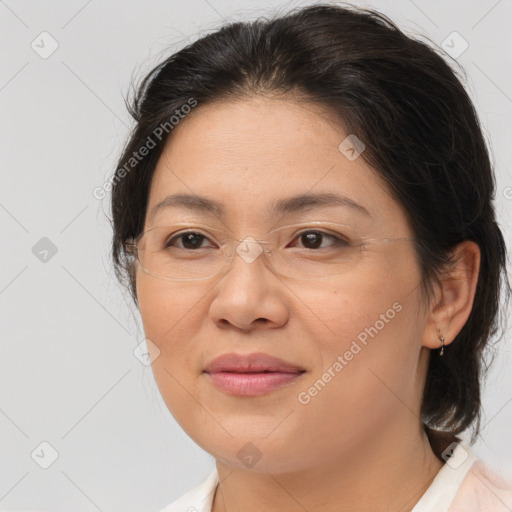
[(68, 373)]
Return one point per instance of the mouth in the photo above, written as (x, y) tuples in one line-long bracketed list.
[(251, 375)]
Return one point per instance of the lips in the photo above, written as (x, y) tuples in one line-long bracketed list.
[(252, 374), (251, 363)]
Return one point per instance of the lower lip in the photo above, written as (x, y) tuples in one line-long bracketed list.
[(251, 384)]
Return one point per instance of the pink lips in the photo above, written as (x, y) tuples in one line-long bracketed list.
[(252, 374)]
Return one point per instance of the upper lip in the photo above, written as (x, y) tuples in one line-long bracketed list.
[(250, 363)]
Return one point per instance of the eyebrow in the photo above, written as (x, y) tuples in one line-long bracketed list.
[(287, 205)]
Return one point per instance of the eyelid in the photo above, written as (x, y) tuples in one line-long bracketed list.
[(312, 224), (184, 225), (180, 229)]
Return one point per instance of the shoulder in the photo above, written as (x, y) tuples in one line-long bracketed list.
[(483, 490), (198, 499)]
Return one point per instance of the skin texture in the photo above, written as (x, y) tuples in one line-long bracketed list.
[(358, 444)]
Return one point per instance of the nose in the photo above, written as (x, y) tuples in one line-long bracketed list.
[(249, 295)]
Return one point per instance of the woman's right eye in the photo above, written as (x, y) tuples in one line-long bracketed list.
[(189, 240)]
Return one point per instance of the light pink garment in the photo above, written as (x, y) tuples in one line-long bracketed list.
[(463, 484), (483, 490)]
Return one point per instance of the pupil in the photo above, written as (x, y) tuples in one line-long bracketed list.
[(314, 240), (192, 240)]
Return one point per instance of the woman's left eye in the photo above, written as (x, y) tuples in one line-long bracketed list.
[(313, 239)]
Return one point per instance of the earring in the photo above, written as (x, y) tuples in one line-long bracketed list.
[(442, 347)]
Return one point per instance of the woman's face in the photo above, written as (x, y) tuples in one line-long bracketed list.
[(357, 336)]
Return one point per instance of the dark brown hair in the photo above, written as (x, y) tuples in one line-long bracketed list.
[(422, 135)]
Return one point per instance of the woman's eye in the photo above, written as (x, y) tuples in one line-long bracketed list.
[(189, 240), (311, 239), (314, 240)]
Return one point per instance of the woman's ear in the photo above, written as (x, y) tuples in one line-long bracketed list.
[(454, 297)]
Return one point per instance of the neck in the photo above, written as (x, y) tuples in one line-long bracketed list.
[(391, 472)]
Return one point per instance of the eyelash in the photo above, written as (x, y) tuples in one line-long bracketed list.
[(337, 240)]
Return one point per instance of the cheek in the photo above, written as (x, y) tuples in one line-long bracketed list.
[(362, 309), (172, 315), (368, 365), (363, 331), (165, 308)]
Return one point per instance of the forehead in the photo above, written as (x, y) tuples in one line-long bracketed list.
[(250, 156)]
